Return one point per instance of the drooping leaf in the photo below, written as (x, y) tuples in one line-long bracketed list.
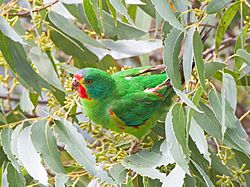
[(45, 67), (243, 54), (8, 31), (173, 40), (175, 177), (229, 90), (91, 15), (25, 102), (204, 175), (212, 68), (14, 177), (224, 23), (165, 11), (134, 2), (119, 173), (61, 179), (119, 49), (198, 48), (5, 142), (45, 144), (176, 136), (198, 136), (20, 66), (186, 100), (145, 163), (29, 157), (76, 146), (215, 6), (118, 5), (188, 55)]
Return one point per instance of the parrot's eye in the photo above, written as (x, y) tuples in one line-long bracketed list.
[(88, 81)]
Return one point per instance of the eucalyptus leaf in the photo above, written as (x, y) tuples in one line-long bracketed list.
[(229, 90), (8, 31), (76, 146), (29, 157), (215, 5), (198, 48), (117, 4), (119, 173), (45, 143), (175, 136), (165, 11), (186, 100), (188, 55), (15, 178), (224, 23), (173, 39), (145, 163), (5, 142), (45, 67), (243, 54), (61, 179), (25, 102), (20, 66), (91, 15), (175, 177), (213, 67)]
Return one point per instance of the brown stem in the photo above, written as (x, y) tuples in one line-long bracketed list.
[(13, 98), (27, 13)]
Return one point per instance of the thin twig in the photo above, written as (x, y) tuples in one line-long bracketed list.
[(27, 13), (244, 115), (13, 98)]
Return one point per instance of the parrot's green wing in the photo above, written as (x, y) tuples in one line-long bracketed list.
[(135, 108), (139, 71)]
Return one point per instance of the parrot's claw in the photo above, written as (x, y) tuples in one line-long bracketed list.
[(134, 148)]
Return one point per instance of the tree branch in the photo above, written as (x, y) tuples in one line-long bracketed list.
[(13, 98), (27, 13)]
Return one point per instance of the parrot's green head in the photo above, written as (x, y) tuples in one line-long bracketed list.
[(93, 83)]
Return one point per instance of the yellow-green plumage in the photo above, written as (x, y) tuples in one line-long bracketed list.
[(125, 101)]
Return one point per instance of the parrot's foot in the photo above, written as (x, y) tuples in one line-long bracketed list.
[(134, 148)]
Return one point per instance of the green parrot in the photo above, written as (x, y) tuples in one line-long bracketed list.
[(129, 101)]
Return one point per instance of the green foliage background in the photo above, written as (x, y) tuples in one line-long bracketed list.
[(45, 138)]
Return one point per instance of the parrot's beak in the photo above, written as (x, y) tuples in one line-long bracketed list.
[(75, 84)]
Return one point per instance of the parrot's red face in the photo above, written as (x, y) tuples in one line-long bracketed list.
[(92, 83), (78, 84)]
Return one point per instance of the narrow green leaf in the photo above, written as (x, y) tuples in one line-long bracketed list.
[(164, 10), (76, 146), (229, 90), (71, 30), (198, 48), (173, 67), (30, 159), (188, 55), (119, 173), (45, 67), (204, 175), (61, 179), (45, 144), (176, 136), (244, 55), (5, 142), (25, 102), (15, 178), (91, 15), (8, 31), (213, 67), (16, 58), (185, 99), (224, 23), (198, 136), (175, 177), (118, 5), (215, 5), (145, 163), (112, 11)]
